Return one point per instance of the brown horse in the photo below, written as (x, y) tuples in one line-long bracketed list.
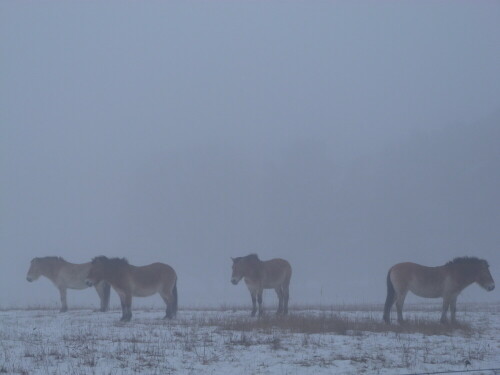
[(65, 275), (434, 282), (128, 281), (271, 274)]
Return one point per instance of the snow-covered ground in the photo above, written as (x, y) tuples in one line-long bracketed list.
[(227, 341)]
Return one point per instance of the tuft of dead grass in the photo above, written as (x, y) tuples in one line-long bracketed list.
[(333, 323)]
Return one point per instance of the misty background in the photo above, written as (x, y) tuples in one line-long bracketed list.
[(345, 137)]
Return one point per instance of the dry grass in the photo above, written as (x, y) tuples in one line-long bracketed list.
[(333, 323), (424, 306)]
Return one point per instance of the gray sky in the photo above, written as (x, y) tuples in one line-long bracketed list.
[(342, 136)]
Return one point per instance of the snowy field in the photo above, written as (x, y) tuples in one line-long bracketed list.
[(334, 340)]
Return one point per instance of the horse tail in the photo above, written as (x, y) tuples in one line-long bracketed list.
[(175, 299), (391, 296)]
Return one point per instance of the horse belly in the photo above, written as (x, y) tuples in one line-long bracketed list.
[(75, 283), (78, 286), (426, 291), (139, 291), (273, 283)]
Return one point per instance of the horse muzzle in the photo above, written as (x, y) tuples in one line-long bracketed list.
[(89, 283), (234, 281), (29, 279), (490, 287)]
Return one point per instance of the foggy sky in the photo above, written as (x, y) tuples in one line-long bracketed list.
[(344, 137)]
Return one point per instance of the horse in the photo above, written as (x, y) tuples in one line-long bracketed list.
[(259, 275), (65, 275), (128, 280), (445, 281)]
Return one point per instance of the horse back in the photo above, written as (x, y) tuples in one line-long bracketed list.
[(422, 280), (152, 275)]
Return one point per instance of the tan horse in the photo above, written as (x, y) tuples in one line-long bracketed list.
[(65, 275), (434, 282), (128, 281), (271, 274)]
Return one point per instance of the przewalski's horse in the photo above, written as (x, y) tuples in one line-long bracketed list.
[(259, 275), (65, 275), (434, 282), (128, 281)]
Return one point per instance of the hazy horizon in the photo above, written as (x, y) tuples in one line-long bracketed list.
[(344, 138)]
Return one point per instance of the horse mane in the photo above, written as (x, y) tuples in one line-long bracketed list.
[(252, 258), (468, 260), (249, 258), (110, 261), (51, 258)]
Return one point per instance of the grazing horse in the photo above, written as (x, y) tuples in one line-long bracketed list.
[(66, 275), (128, 280), (271, 274), (434, 282)]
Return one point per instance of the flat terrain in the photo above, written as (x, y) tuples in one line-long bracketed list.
[(328, 340)]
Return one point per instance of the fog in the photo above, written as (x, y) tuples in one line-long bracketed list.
[(344, 137)]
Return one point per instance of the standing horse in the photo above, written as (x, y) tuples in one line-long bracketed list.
[(271, 274), (66, 275), (128, 281), (434, 282)]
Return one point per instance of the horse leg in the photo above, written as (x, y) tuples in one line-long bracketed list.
[(259, 300), (126, 301), (103, 290), (64, 305), (169, 301), (453, 309), (446, 304), (286, 296), (279, 292), (399, 306), (124, 308), (253, 294), (390, 299), (387, 308)]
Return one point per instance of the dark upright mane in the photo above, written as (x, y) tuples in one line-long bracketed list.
[(249, 258), (468, 260), (252, 258), (52, 258), (110, 261)]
